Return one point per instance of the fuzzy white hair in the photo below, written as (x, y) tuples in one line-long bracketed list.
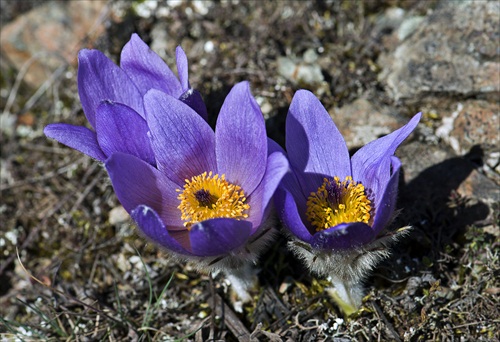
[(346, 269)]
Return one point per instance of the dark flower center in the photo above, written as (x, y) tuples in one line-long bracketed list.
[(208, 196), (205, 198), (338, 202)]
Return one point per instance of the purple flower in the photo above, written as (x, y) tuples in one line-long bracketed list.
[(332, 201), (335, 206), (209, 194), (112, 99)]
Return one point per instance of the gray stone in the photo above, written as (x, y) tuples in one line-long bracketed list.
[(118, 215), (455, 50), (303, 70), (434, 175)]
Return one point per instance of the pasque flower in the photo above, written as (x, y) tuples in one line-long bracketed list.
[(335, 206), (208, 197), (112, 100)]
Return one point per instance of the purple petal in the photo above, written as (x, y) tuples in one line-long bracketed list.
[(147, 70), (289, 180), (241, 142), (181, 236), (277, 166), (184, 143), (100, 79), (182, 68), (150, 224), (120, 129), (78, 137), (309, 182), (138, 183), (289, 215), (343, 236), (273, 146), (218, 236), (194, 100), (300, 195), (384, 208), (313, 142), (371, 164)]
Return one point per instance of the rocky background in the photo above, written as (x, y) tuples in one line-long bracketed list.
[(71, 264)]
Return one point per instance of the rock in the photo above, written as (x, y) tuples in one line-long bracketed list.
[(118, 215), (447, 62), (417, 157), (474, 123), (477, 123), (360, 122), (302, 71), (480, 187), (394, 26), (50, 35), (438, 182), (443, 171), (453, 51)]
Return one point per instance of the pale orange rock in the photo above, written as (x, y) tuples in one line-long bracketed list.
[(50, 35)]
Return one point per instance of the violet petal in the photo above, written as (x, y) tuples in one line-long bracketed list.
[(309, 182), (277, 166), (289, 180), (150, 224), (100, 79), (194, 100), (313, 142), (273, 146), (184, 143), (78, 137), (146, 69), (241, 142), (218, 236), (121, 129), (182, 68), (289, 214), (343, 236), (137, 183), (371, 164), (384, 209)]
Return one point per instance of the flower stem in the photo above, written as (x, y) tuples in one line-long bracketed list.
[(242, 280), (347, 295)]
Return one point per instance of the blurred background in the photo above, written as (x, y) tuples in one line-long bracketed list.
[(71, 264)]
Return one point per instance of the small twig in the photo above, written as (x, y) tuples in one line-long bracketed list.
[(386, 322), (394, 281), (96, 330), (297, 323), (231, 320), (473, 323)]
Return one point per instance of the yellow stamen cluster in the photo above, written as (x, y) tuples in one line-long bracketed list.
[(209, 196), (338, 202)]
